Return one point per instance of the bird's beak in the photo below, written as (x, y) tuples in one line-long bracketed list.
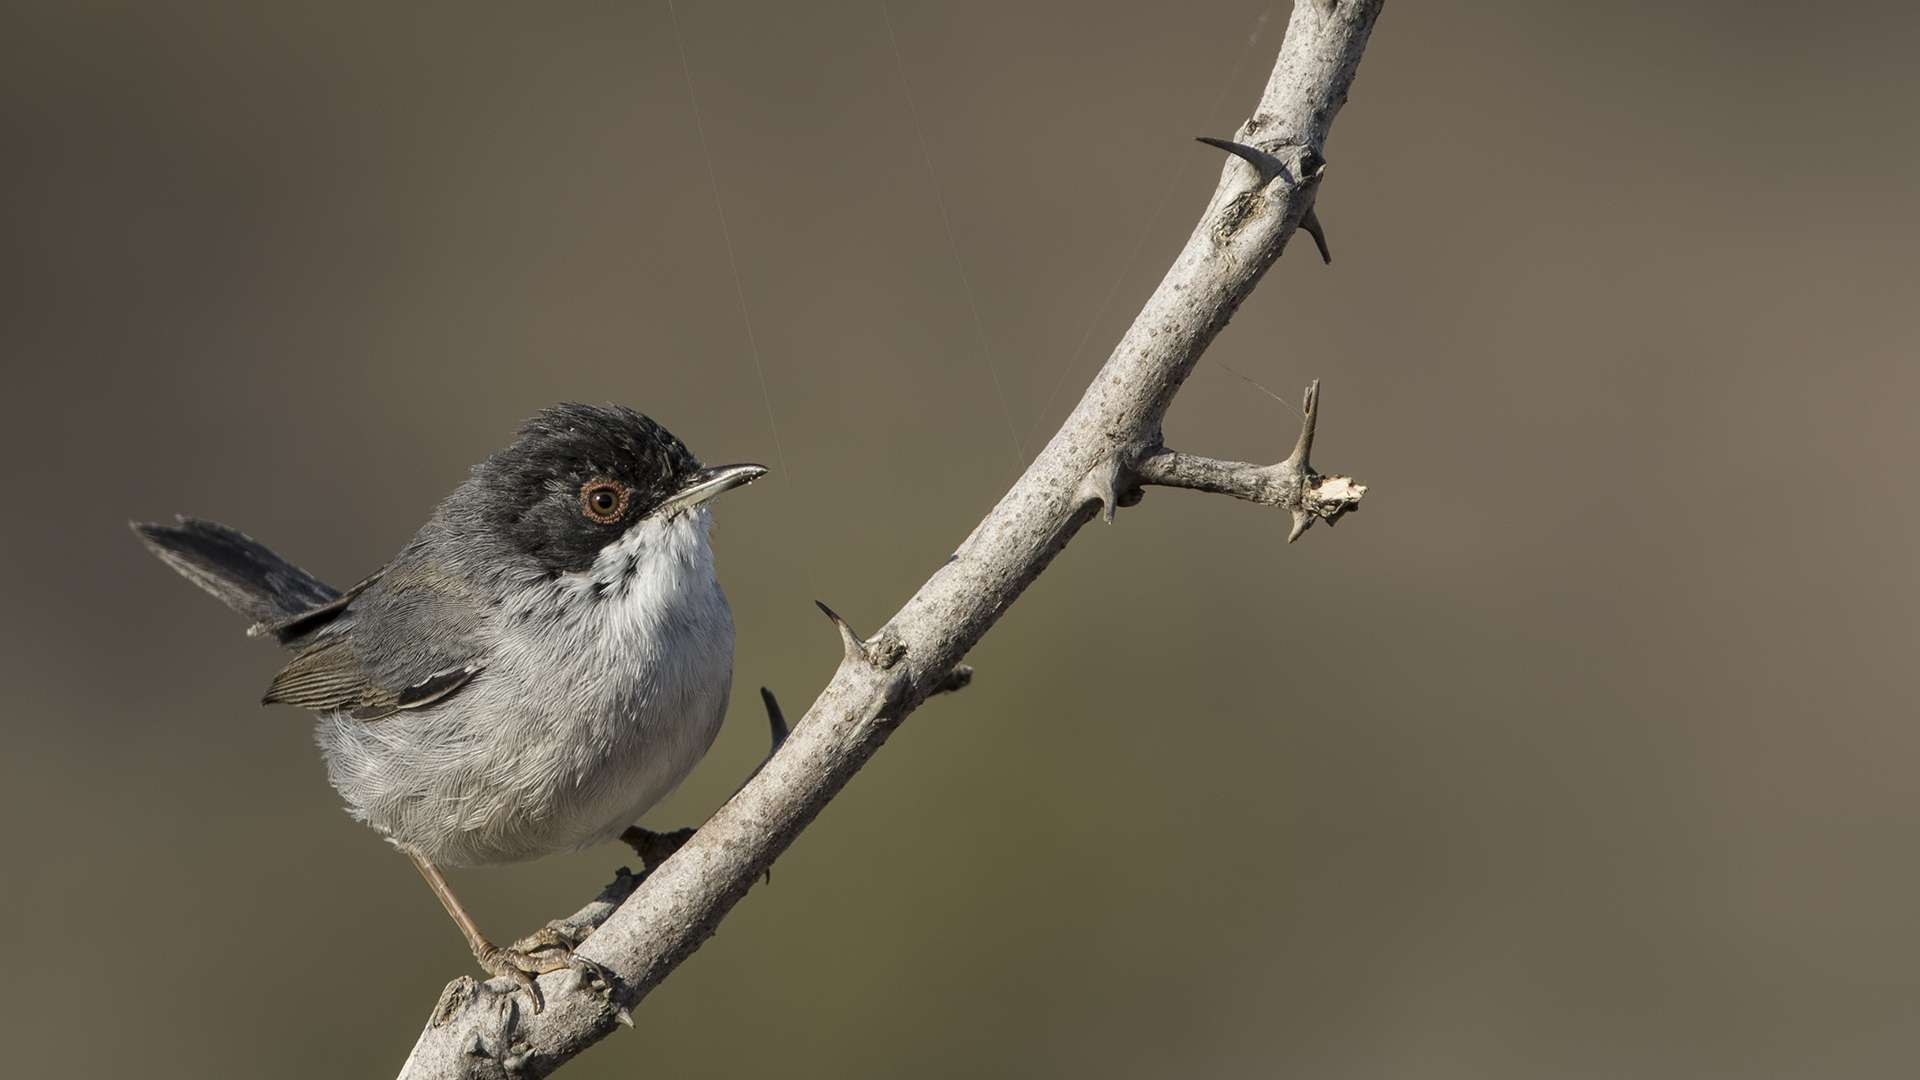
[(707, 483)]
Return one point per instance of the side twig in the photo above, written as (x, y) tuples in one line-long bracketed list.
[(1291, 485)]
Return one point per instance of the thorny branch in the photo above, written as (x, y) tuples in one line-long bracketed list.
[(1108, 448), (1291, 485)]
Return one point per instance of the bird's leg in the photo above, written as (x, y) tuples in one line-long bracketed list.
[(547, 949), (655, 848)]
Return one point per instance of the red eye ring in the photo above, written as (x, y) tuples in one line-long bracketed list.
[(603, 500)]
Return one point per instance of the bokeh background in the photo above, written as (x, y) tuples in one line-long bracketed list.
[(1588, 750)]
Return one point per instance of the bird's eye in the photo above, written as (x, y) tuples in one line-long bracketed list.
[(603, 501)]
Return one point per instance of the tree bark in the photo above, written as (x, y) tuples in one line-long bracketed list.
[(1109, 447)]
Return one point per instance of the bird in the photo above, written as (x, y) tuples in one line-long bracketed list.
[(547, 659)]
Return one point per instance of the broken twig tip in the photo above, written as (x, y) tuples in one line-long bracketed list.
[(957, 679)]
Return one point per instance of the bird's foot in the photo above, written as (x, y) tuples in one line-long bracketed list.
[(549, 948)]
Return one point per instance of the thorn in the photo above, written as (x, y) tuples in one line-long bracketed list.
[(1309, 415), (1267, 165), (588, 972), (1102, 482), (1311, 223), (855, 647), (777, 724), (882, 655), (1301, 519), (775, 721)]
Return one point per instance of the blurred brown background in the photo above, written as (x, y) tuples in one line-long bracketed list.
[(1588, 750)]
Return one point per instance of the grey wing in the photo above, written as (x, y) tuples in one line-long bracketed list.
[(410, 641), (329, 675)]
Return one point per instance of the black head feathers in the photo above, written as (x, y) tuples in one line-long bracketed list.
[(575, 480)]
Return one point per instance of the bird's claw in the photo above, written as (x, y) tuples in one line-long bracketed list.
[(549, 948)]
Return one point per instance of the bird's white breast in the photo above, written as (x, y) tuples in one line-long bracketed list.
[(601, 692)]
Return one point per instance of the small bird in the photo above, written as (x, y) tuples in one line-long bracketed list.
[(547, 659)]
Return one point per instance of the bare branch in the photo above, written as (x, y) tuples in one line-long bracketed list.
[(1108, 446)]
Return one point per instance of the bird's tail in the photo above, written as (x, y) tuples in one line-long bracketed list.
[(239, 570)]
